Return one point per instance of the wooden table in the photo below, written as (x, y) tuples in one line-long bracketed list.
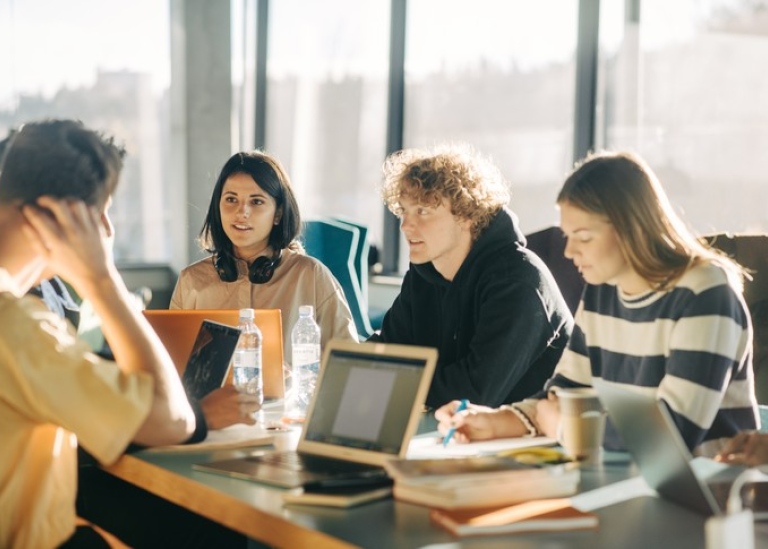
[(257, 511)]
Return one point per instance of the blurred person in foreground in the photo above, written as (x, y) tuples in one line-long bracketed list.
[(56, 178), (81, 159)]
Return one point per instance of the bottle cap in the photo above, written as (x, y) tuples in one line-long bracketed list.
[(247, 313), (306, 310)]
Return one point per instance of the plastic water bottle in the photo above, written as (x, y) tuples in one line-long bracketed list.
[(246, 362), (305, 361)]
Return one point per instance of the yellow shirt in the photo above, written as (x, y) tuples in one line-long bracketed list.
[(298, 280), (54, 394)]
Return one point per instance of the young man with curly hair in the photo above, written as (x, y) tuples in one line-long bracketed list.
[(473, 290)]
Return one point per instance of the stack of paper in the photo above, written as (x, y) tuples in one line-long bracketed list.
[(431, 446), (234, 436), (478, 481)]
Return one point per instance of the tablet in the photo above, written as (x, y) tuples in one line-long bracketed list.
[(209, 363)]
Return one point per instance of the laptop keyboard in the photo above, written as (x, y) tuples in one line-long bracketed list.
[(314, 464)]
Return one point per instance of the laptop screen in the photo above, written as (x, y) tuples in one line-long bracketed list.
[(368, 398)]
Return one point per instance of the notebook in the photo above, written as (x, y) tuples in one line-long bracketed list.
[(209, 361), (366, 407), (537, 515), (178, 328), (656, 446)]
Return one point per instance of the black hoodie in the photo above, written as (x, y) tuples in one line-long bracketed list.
[(500, 326)]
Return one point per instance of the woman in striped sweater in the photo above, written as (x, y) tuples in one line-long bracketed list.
[(661, 314)]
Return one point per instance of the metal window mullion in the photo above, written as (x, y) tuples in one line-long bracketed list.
[(390, 252), (586, 78)]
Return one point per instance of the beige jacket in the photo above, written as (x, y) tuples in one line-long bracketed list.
[(298, 280)]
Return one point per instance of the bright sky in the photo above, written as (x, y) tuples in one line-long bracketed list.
[(44, 43), (528, 33), (440, 34), (47, 43)]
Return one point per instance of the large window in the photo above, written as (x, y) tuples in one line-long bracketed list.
[(500, 76), (682, 84), (679, 82), (107, 64), (327, 103)]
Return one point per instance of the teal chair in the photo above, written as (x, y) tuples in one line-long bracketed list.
[(375, 315), (335, 244), (360, 261), (763, 417)]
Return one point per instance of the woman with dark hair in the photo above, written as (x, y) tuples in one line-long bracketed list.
[(256, 261), (661, 313)]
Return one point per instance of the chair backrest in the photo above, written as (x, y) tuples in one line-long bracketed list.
[(751, 252), (549, 245), (335, 244), (361, 256)]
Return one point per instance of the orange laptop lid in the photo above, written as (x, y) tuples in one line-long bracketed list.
[(178, 329)]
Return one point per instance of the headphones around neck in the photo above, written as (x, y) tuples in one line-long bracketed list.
[(260, 271)]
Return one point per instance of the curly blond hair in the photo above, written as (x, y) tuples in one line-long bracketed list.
[(473, 186)]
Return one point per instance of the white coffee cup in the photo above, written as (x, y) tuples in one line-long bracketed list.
[(582, 424)]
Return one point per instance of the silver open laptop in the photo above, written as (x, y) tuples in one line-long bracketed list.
[(656, 446), (367, 405)]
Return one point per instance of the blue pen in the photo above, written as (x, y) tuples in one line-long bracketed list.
[(461, 407)]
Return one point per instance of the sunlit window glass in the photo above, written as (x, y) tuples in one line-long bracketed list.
[(327, 101), (106, 63), (500, 76), (682, 84)]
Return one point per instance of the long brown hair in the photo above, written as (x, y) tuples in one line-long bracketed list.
[(621, 187)]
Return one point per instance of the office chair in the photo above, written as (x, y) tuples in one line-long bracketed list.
[(361, 255), (362, 267), (751, 252), (335, 244), (549, 245)]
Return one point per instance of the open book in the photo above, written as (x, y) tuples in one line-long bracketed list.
[(530, 516)]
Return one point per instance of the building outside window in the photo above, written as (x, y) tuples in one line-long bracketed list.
[(327, 73), (84, 59), (681, 84), (500, 76)]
